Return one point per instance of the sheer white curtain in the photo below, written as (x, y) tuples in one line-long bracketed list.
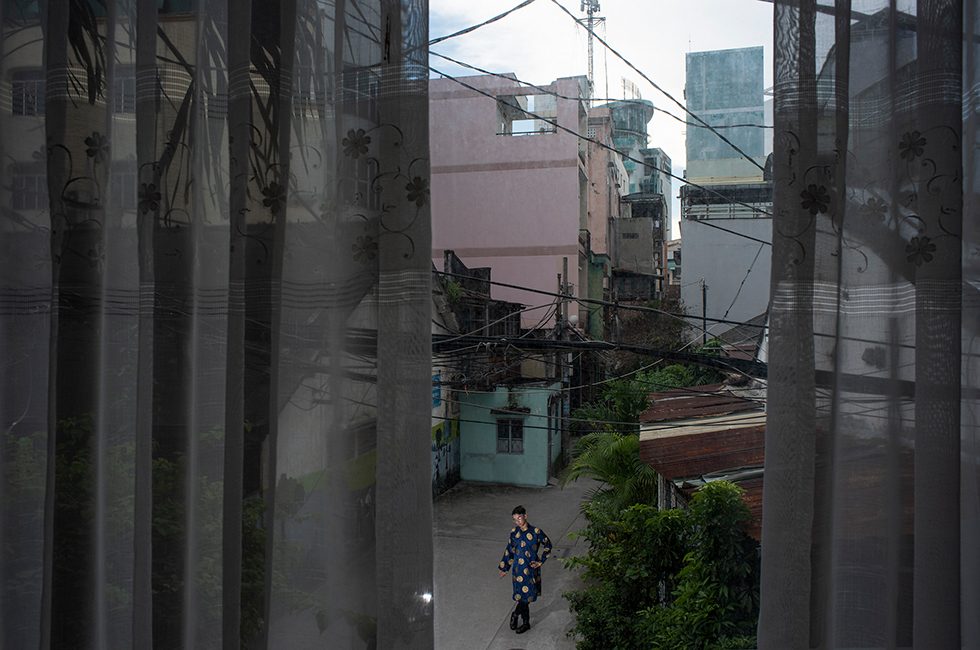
[(872, 504), (214, 324)]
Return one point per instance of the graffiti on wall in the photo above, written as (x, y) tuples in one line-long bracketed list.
[(445, 456)]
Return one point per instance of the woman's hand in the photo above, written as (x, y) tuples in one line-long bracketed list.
[(535, 564)]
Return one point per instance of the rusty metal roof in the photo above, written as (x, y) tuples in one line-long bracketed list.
[(698, 401), (703, 433)]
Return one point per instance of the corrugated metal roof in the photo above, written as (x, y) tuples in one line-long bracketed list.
[(698, 426), (703, 433), (698, 401)]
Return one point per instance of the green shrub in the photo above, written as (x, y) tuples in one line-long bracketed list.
[(672, 579)]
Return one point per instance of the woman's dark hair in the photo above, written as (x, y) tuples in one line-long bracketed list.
[(519, 510)]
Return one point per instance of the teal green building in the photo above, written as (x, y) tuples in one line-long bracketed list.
[(511, 435)]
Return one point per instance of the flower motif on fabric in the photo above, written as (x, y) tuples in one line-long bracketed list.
[(356, 143), (149, 197), (815, 198), (275, 196), (875, 208), (97, 147), (912, 145), (365, 248), (920, 250), (96, 256), (418, 191)]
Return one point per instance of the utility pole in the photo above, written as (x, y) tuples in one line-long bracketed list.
[(559, 400), (704, 313), (566, 437)]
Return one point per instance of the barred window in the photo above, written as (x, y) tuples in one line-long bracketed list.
[(124, 90), (510, 436), (124, 187), (29, 190), (27, 92)]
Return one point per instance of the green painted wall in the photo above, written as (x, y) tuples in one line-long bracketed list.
[(479, 460), (597, 271)]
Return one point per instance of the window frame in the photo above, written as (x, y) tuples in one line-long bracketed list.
[(513, 438), (27, 84), (20, 174)]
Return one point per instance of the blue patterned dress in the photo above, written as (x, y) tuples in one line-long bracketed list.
[(523, 547)]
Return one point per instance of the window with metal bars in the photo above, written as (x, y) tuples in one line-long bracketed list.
[(27, 92), (510, 436)]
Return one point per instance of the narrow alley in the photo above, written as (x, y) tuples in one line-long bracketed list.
[(472, 604)]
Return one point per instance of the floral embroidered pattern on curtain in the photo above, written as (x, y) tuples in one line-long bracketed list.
[(214, 299), (871, 505)]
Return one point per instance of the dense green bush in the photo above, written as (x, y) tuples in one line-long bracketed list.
[(618, 409), (672, 579)]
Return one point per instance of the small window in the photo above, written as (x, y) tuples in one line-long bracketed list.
[(124, 188), (510, 436), (27, 92), (526, 115), (29, 190), (124, 90)]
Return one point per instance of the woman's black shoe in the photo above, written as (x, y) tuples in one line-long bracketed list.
[(524, 628), (513, 620)]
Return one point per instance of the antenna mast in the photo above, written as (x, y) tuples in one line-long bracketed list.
[(591, 8)]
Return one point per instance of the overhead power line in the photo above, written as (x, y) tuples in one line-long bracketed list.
[(471, 28), (707, 222), (545, 91), (733, 419), (742, 283), (605, 303), (648, 426), (655, 85), (756, 369), (603, 145)]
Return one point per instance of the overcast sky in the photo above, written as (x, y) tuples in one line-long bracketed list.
[(540, 43)]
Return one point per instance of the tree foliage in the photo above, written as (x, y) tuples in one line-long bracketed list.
[(622, 401), (655, 329), (613, 459), (618, 408), (671, 579)]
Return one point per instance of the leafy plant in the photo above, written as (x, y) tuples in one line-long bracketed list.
[(717, 592), (672, 579), (453, 291), (618, 409), (613, 459)]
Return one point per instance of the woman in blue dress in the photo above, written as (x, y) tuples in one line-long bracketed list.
[(527, 549)]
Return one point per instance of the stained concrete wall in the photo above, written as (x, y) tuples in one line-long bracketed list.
[(479, 460), (725, 261), (512, 203)]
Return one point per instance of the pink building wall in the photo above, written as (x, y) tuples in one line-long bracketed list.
[(513, 203), (607, 180)]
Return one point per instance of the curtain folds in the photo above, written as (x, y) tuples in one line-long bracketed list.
[(872, 501), (214, 324)]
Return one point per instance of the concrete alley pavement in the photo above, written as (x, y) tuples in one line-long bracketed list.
[(473, 604)]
